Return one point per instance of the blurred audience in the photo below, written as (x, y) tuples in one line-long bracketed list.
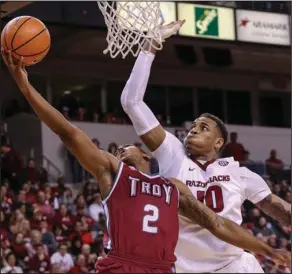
[(274, 165), (234, 149)]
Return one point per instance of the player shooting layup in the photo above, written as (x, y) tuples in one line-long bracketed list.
[(142, 210), (222, 184)]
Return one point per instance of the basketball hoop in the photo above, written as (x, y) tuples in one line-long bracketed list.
[(130, 25)]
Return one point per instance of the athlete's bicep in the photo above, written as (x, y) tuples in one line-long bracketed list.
[(154, 138), (169, 155)]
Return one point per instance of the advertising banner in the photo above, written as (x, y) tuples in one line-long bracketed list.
[(263, 27), (206, 21)]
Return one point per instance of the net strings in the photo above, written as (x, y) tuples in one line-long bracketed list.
[(130, 25)]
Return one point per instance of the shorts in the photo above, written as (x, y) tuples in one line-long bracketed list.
[(246, 263), (113, 265)]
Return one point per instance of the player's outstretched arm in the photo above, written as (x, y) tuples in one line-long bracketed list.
[(99, 164), (144, 121), (259, 193), (276, 208), (225, 229)]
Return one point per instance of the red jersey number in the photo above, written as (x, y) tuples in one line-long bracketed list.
[(152, 216), (213, 198)]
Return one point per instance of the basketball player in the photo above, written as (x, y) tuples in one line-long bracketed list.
[(142, 210), (222, 184)]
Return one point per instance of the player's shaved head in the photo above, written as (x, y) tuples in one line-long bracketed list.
[(134, 156)]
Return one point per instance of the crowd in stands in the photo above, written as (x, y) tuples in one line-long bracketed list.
[(46, 227)]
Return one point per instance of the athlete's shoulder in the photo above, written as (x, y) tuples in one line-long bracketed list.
[(228, 162)]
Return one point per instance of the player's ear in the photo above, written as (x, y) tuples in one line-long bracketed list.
[(218, 143), (146, 157)]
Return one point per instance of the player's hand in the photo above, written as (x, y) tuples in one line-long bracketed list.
[(16, 69), (170, 29), (282, 257)]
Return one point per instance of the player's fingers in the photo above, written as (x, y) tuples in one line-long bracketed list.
[(20, 63), (10, 62), (4, 56)]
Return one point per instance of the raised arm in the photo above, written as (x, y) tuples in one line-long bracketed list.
[(276, 208), (223, 228), (101, 165), (144, 121)]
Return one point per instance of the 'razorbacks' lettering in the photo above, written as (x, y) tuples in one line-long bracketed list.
[(213, 179), (150, 189)]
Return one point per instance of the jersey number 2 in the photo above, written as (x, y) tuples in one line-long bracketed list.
[(151, 217), (213, 198)]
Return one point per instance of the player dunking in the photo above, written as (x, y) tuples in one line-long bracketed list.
[(222, 184), (142, 210)]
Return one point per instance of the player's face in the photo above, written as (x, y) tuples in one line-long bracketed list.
[(203, 137), (130, 154)]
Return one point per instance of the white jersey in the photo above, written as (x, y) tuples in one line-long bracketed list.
[(223, 186)]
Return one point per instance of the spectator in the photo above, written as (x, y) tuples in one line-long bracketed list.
[(96, 207), (40, 261), (11, 265), (263, 227), (30, 193), (277, 189), (63, 259), (80, 203), (31, 246), (81, 114), (43, 175), (19, 223), (3, 233), (112, 148), (5, 199), (44, 206), (283, 243), (18, 246), (274, 165), (11, 165), (234, 149), (48, 237), (31, 173), (89, 257), (96, 117), (64, 219), (88, 192), (246, 161), (80, 265), (60, 236)]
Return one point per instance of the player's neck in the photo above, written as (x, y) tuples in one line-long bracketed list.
[(206, 158), (143, 167)]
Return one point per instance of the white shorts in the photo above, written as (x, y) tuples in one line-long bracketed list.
[(246, 263)]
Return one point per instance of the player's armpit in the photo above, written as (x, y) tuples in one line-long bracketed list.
[(276, 208)]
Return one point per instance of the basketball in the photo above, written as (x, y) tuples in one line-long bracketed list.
[(26, 36)]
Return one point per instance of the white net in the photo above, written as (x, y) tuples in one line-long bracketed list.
[(130, 25)]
